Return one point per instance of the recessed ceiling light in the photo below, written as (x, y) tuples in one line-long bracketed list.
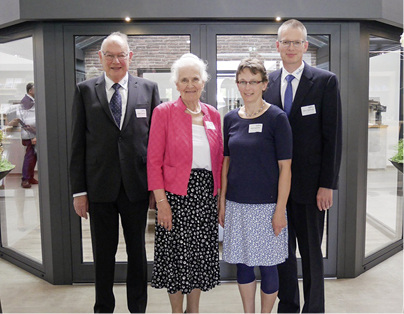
[(128, 19), (278, 19)]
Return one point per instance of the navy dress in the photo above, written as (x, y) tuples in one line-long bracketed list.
[(254, 146)]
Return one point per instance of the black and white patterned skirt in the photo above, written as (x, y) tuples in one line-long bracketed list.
[(187, 257)]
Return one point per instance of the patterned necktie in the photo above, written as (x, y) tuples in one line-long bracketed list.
[(116, 104), (288, 100)]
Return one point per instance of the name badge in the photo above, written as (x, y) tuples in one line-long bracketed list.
[(308, 110), (141, 113), (210, 125), (255, 128)]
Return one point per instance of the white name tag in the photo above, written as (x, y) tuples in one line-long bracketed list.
[(210, 125), (308, 110), (255, 128), (141, 113)]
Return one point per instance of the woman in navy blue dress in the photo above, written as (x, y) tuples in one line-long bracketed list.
[(256, 178)]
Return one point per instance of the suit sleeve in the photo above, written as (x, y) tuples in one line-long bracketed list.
[(155, 97), (78, 149), (331, 134)]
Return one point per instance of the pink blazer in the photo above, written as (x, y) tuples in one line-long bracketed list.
[(169, 154)]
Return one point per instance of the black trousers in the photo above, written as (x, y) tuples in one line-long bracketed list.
[(104, 222), (306, 224)]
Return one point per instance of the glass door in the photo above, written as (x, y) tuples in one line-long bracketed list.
[(384, 205), (155, 48), (20, 217), (153, 66), (246, 40)]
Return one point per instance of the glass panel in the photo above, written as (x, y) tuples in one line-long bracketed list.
[(153, 57), (19, 208), (384, 182), (232, 48)]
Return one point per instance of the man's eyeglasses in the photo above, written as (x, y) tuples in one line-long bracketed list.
[(245, 83), (296, 43), (110, 57)]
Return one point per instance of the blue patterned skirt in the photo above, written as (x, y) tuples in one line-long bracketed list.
[(187, 257), (249, 237)]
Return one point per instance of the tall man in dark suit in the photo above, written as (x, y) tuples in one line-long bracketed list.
[(111, 120), (311, 98)]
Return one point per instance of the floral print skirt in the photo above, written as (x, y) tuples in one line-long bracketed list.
[(187, 257), (249, 237)]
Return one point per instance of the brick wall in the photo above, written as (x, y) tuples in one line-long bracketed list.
[(159, 52), (150, 52)]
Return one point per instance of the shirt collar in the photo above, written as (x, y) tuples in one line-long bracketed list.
[(123, 82), (30, 97), (297, 73)]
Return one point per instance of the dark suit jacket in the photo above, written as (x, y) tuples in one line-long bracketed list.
[(316, 136), (103, 156)]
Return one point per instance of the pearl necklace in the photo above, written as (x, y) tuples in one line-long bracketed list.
[(195, 112), (254, 113)]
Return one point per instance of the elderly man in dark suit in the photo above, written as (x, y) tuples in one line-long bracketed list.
[(311, 99), (111, 120)]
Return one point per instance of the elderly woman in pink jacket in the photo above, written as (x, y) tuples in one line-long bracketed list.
[(185, 155)]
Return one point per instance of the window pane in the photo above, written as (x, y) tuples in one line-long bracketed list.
[(152, 59), (384, 181), (231, 49), (20, 215)]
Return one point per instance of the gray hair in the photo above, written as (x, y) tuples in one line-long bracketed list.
[(123, 37), (292, 24), (186, 60)]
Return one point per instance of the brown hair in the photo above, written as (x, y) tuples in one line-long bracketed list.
[(255, 66)]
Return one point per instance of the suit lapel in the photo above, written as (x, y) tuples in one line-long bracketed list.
[(102, 97), (303, 89), (276, 88), (132, 99)]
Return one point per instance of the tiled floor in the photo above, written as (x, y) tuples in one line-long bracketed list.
[(379, 290)]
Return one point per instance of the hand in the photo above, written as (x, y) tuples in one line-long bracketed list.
[(80, 204), (222, 211), (279, 221), (164, 215), (324, 198)]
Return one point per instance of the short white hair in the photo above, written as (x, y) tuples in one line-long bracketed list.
[(123, 37), (188, 60)]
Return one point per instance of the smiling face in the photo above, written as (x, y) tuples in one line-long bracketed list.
[(115, 69), (292, 57), (251, 94), (190, 84)]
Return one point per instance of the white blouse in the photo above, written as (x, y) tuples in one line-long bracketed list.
[(200, 148)]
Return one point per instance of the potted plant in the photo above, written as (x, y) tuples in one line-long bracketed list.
[(397, 159), (5, 165)]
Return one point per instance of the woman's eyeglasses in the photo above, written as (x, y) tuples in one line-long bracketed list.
[(245, 83)]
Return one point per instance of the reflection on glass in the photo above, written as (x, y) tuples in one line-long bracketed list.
[(20, 215), (231, 49), (384, 182), (152, 59)]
